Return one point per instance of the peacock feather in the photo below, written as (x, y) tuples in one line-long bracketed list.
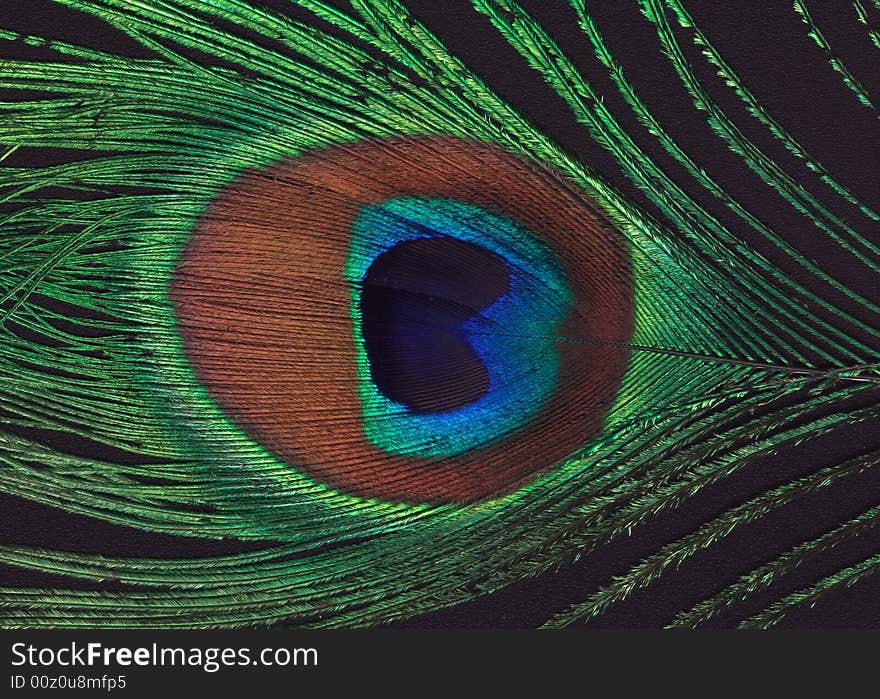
[(294, 276)]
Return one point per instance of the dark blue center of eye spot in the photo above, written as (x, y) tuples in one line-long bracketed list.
[(415, 301)]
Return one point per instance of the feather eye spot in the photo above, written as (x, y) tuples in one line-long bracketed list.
[(419, 320)]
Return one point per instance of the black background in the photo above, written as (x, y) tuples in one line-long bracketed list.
[(767, 44)]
